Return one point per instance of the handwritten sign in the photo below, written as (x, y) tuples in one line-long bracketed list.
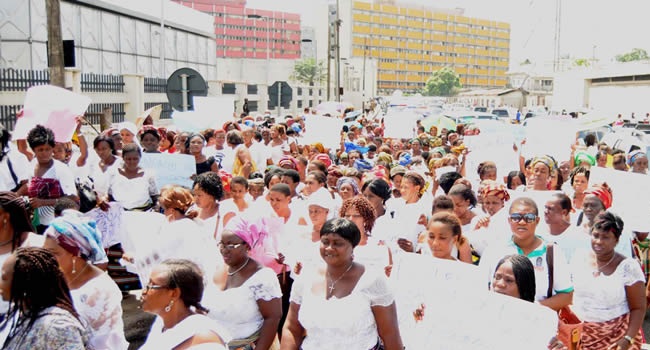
[(325, 130), (459, 313), (52, 107), (170, 168)]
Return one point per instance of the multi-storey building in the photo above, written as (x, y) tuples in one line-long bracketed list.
[(410, 42), (250, 33)]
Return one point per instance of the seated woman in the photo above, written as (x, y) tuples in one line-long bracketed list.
[(77, 246), (41, 314), (342, 298), (245, 296), (174, 294), (610, 290), (131, 185)]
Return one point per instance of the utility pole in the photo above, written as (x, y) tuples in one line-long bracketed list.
[(337, 28), (55, 43), (329, 57)]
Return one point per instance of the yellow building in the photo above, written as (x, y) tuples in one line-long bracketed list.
[(411, 42)]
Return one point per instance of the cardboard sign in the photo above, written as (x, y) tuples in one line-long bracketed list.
[(326, 130), (170, 168), (53, 107)]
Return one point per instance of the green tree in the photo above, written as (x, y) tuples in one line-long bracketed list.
[(634, 55), (308, 71), (443, 82), (581, 62)]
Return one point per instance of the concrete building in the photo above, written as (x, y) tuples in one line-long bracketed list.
[(537, 81), (147, 37), (410, 42), (243, 32)]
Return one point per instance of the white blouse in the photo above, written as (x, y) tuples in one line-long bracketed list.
[(182, 331), (345, 323), (99, 304), (236, 308), (598, 297), (132, 193)]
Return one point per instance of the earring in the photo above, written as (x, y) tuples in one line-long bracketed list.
[(168, 308), (74, 267)]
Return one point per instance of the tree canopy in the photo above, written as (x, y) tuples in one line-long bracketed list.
[(634, 55), (443, 82), (308, 71)]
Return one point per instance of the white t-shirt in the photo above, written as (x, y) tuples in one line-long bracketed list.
[(61, 172), (260, 153), (20, 167)]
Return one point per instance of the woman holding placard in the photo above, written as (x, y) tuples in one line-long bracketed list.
[(610, 290)]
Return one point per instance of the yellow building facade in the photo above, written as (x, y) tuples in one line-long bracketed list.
[(412, 42)]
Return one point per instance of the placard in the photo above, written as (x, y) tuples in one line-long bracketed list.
[(170, 168), (209, 112), (52, 107), (326, 130), (549, 137), (630, 191), (400, 125)]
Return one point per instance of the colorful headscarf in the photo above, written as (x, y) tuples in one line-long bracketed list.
[(385, 158), (253, 232), (584, 157), (225, 179), (351, 146), (546, 160), (334, 171), (440, 150), (288, 161), (633, 156), (324, 158), (348, 180), (362, 164), (496, 189), (603, 192), (78, 235), (404, 159), (319, 147)]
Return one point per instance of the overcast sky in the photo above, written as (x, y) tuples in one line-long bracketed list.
[(603, 27)]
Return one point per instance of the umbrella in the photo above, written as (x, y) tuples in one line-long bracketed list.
[(154, 112), (439, 121)]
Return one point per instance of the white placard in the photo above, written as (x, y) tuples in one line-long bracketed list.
[(53, 107), (630, 191), (326, 130), (209, 112), (549, 137), (170, 168), (459, 312), (400, 125)]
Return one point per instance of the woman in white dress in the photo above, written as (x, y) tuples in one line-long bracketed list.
[(131, 185), (245, 296), (342, 305), (207, 191), (174, 293), (77, 246), (108, 161), (609, 292)]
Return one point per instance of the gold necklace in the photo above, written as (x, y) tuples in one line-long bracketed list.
[(239, 269), (333, 284)]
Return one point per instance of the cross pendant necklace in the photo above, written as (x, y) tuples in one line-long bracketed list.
[(333, 284)]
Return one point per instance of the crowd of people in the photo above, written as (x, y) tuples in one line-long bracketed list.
[(285, 244)]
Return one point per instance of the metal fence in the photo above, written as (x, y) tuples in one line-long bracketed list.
[(95, 110), (91, 82), (155, 85), (8, 116), (166, 112), (22, 79)]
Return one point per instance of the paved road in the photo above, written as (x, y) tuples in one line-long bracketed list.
[(138, 322)]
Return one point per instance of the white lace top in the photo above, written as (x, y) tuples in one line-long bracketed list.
[(99, 304), (132, 193), (236, 308), (182, 331), (346, 323), (602, 298)]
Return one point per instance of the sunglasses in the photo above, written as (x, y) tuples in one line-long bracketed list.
[(516, 217)]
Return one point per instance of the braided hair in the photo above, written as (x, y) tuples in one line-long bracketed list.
[(188, 277), (37, 284)]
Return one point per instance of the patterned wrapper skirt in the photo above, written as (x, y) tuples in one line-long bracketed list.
[(600, 335)]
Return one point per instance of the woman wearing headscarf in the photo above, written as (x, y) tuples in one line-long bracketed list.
[(541, 170), (347, 188), (76, 244), (129, 132), (638, 162), (245, 296)]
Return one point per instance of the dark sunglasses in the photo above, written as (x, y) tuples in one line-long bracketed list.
[(516, 217)]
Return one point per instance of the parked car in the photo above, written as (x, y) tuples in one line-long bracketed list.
[(508, 114), (461, 117), (481, 109)]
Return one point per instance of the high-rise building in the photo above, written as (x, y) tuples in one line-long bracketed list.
[(410, 42), (251, 33)]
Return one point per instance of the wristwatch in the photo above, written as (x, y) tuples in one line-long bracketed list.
[(630, 339)]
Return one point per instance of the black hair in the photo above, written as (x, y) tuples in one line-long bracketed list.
[(372, 147), (40, 136), (234, 137), (5, 137), (14, 205), (447, 180), (451, 221), (64, 203), (590, 140), (484, 167), (282, 188), (189, 138), (442, 203), (129, 148), (564, 200), (295, 177), (258, 136), (153, 132), (344, 228), (210, 183), (320, 165), (524, 272), (37, 284), (186, 276), (320, 176), (512, 175), (579, 170), (608, 222), (103, 138), (526, 202), (465, 192), (240, 180), (269, 174), (378, 187), (255, 175)]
